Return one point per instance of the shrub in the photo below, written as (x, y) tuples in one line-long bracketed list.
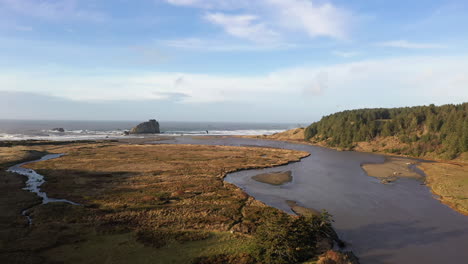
[(284, 239)]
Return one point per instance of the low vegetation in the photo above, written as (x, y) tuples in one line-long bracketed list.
[(146, 203), (425, 131), (282, 239), (274, 178), (450, 182)]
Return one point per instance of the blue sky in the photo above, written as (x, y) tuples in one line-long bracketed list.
[(228, 60)]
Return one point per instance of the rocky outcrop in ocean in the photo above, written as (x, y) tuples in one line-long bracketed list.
[(150, 127)]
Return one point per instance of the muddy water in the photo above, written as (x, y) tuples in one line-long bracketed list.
[(397, 223), (34, 182)]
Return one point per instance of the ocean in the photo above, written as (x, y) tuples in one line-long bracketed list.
[(90, 130)]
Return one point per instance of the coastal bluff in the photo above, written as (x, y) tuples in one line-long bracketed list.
[(150, 127)]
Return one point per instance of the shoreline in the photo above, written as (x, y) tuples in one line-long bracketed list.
[(443, 198)]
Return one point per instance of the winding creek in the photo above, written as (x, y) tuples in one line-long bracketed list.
[(399, 223), (34, 182)]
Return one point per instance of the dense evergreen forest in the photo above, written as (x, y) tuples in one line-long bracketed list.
[(440, 131)]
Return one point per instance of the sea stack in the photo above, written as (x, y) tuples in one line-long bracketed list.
[(150, 127)]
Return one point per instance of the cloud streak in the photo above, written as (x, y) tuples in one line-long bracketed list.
[(404, 44), (243, 26)]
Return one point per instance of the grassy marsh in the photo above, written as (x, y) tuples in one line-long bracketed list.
[(150, 201)]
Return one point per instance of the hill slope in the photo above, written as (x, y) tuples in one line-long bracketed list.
[(422, 131)]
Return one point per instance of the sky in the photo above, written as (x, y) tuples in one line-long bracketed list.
[(228, 60)]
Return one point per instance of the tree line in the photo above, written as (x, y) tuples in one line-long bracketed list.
[(440, 130)]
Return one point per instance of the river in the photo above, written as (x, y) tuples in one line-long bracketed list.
[(398, 223)]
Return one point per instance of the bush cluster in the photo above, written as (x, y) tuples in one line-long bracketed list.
[(440, 129), (284, 239)]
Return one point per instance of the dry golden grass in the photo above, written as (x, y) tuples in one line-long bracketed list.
[(11, 155), (450, 182), (160, 195), (381, 144), (274, 178), (159, 185), (293, 135)]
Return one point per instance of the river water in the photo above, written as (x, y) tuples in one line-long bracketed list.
[(399, 223), (34, 182)]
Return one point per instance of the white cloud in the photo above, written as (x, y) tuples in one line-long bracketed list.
[(272, 17), (404, 44), (312, 18), (243, 26), (419, 79)]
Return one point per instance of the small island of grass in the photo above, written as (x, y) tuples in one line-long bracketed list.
[(274, 178)]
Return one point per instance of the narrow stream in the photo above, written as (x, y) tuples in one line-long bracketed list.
[(34, 182)]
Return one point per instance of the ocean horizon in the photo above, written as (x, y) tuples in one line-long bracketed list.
[(92, 130)]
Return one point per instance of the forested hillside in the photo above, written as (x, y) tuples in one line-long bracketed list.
[(439, 131)]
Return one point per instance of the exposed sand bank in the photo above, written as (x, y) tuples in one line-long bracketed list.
[(274, 178), (392, 169)]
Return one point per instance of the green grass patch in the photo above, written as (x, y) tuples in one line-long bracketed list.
[(124, 248)]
